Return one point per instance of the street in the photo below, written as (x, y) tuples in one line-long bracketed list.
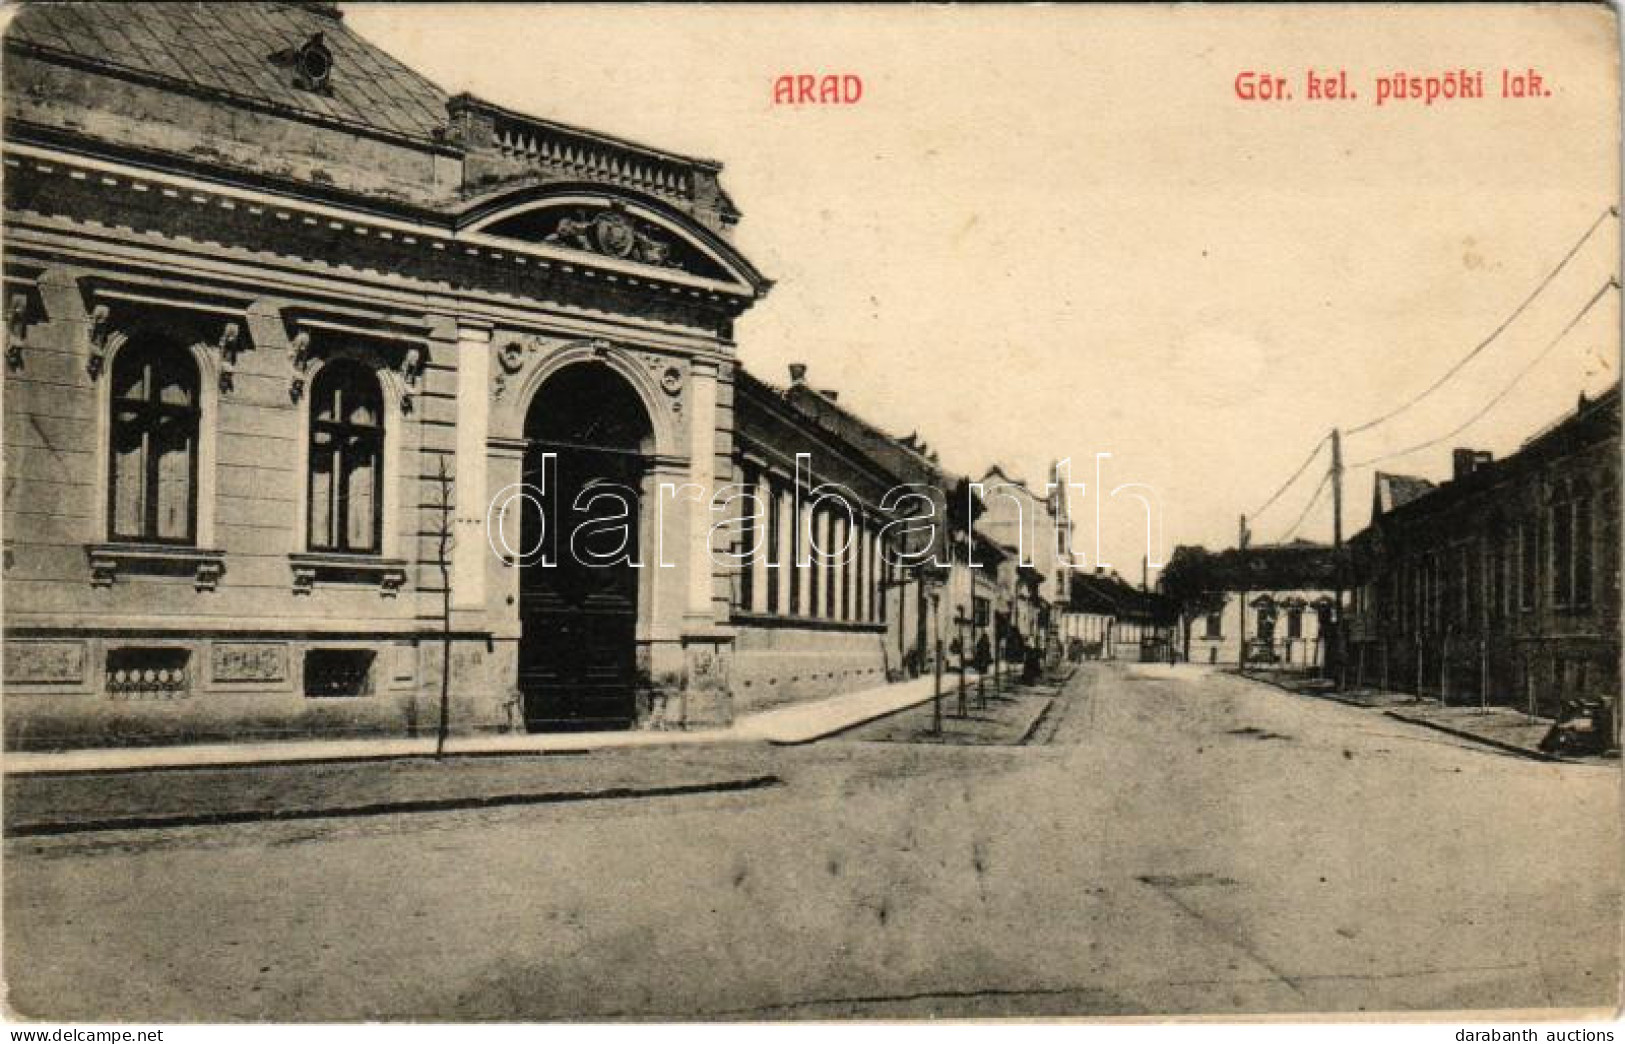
[(1173, 841)]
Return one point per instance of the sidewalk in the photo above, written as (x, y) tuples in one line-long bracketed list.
[(42, 805), (1502, 727), (792, 723), (1010, 715), (1496, 726)]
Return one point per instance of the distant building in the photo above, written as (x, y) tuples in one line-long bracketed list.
[(1033, 531), (1278, 602), (1501, 584), (1107, 618)]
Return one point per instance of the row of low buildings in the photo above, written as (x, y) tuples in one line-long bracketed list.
[(1107, 618), (285, 322), (1500, 584)]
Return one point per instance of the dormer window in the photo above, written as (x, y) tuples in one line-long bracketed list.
[(311, 62)]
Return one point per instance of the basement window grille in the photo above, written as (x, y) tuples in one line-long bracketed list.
[(148, 674), (338, 672)]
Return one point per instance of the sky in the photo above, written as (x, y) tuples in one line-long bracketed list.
[(1051, 233)]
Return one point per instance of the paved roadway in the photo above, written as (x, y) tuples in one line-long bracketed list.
[(1184, 842)]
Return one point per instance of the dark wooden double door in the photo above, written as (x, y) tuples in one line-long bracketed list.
[(578, 618), (579, 614)]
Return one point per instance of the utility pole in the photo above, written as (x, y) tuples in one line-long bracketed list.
[(1337, 553), (1241, 630)]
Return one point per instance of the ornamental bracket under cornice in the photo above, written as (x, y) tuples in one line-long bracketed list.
[(394, 343)]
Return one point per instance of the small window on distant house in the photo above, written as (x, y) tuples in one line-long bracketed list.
[(346, 460), (152, 487), (1215, 626), (1294, 622)]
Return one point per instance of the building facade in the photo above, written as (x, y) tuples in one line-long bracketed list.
[(1280, 628), (817, 552), (1502, 584), (1107, 618), (327, 393), (1269, 606), (1031, 528), (284, 323)]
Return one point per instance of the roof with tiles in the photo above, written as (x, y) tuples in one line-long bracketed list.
[(1299, 565), (224, 51), (1592, 421), (901, 457), (1111, 595), (1395, 491)]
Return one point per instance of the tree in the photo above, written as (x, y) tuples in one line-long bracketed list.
[(1193, 580), (445, 540)]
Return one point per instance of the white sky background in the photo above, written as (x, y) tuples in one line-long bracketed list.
[(1055, 232)]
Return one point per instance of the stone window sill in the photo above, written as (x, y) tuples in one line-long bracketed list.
[(108, 561), (813, 623), (317, 567)]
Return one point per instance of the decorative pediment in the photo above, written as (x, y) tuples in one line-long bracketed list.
[(643, 239), (608, 230)]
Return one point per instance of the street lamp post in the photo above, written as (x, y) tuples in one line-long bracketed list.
[(936, 692), (977, 628), (960, 621)]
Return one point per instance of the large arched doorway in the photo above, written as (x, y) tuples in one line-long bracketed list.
[(588, 438)]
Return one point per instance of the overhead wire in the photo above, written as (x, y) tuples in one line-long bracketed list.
[(1313, 500), (1485, 343), (1611, 284), (1288, 483)]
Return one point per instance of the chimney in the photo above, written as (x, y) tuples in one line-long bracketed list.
[(798, 373), (1466, 461)]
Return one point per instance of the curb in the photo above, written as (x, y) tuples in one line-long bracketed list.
[(1509, 748), (1501, 745), (251, 763), (1038, 722), (848, 726), (307, 757), (278, 815)]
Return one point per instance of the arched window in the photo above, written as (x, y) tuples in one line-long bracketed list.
[(152, 485), (346, 460)]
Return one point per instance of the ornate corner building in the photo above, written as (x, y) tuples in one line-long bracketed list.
[(283, 320)]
